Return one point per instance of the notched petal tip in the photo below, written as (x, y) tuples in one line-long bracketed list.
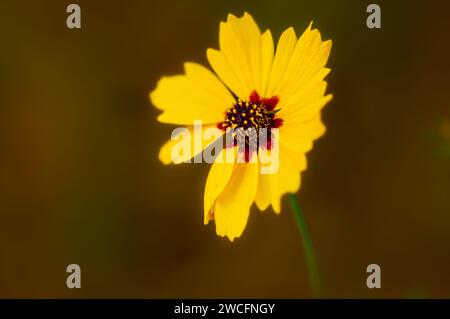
[(245, 15), (231, 17), (162, 118), (207, 218), (276, 206), (262, 207), (188, 66), (326, 45), (227, 236), (290, 30), (325, 72), (158, 118), (153, 93)]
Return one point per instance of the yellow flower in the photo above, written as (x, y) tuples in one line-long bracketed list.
[(285, 89)]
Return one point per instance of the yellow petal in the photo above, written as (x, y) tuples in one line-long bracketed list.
[(267, 60), (307, 112), (272, 187), (299, 137), (308, 58), (245, 56), (197, 95), (285, 48), (263, 197), (287, 179), (218, 178), (223, 69), (302, 119), (232, 207), (168, 155), (308, 94)]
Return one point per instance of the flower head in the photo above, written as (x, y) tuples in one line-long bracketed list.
[(278, 94)]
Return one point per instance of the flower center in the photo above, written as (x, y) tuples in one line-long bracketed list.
[(255, 113), (251, 122)]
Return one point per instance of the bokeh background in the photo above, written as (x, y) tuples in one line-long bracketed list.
[(81, 181)]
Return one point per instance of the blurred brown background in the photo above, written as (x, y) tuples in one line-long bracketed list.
[(81, 182)]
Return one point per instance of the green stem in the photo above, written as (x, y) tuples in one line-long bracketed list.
[(314, 276)]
